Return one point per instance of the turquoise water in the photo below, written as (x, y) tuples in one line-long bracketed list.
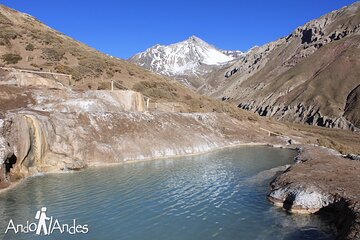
[(220, 195)]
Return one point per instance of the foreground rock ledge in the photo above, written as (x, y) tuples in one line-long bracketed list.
[(55, 141), (325, 183), (51, 130)]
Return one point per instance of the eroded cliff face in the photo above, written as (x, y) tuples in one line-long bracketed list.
[(305, 77), (301, 113), (60, 130), (26, 146), (54, 141)]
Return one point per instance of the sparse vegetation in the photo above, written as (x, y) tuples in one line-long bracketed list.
[(196, 104), (29, 47), (34, 65), (6, 35), (52, 55), (343, 141), (93, 64), (157, 90), (109, 74), (103, 86), (11, 58), (49, 39), (68, 70), (4, 19)]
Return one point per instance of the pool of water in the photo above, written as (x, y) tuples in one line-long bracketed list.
[(220, 195)]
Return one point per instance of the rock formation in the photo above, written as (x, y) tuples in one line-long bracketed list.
[(325, 183), (56, 130), (305, 77)]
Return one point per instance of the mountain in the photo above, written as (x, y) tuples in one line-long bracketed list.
[(311, 76), (27, 43), (189, 61)]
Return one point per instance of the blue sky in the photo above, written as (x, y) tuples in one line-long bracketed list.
[(123, 28)]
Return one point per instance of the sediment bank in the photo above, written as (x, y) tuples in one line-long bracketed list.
[(322, 182)]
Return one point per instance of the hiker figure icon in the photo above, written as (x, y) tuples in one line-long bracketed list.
[(41, 216)]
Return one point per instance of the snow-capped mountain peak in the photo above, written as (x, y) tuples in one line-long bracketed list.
[(188, 61), (181, 58), (204, 52)]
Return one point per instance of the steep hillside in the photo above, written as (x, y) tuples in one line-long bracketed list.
[(309, 77), (27, 43), (189, 62)]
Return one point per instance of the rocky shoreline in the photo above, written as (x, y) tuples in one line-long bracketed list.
[(322, 182)]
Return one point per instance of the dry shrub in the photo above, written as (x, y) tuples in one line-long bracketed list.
[(11, 58), (29, 47), (94, 64), (52, 54), (157, 90)]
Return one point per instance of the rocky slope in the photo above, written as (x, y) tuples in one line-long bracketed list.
[(189, 61), (310, 76)]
